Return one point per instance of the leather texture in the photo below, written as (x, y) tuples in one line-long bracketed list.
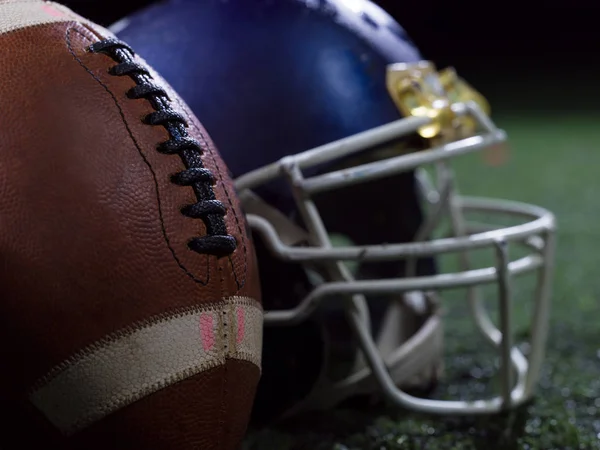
[(93, 246)]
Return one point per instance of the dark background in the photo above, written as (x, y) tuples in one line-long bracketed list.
[(542, 54), (524, 54)]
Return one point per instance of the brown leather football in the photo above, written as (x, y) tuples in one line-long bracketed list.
[(129, 295)]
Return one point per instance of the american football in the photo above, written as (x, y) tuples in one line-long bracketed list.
[(130, 297)]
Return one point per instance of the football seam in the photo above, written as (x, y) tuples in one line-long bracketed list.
[(240, 283), (196, 279), (210, 210)]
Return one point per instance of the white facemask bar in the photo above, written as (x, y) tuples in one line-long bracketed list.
[(373, 138), (536, 234)]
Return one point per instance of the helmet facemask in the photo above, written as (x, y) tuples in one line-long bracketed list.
[(381, 284)]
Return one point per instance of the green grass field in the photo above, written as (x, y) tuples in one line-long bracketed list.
[(554, 163)]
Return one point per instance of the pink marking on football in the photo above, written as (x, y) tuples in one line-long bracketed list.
[(241, 325), (49, 9), (207, 331)]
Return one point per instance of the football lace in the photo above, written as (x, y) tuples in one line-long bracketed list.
[(210, 210)]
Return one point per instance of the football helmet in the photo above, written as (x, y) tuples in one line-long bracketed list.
[(340, 136)]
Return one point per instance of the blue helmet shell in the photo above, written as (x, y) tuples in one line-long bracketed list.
[(273, 78)]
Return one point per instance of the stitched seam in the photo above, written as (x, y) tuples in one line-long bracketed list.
[(138, 147), (239, 283), (208, 208)]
